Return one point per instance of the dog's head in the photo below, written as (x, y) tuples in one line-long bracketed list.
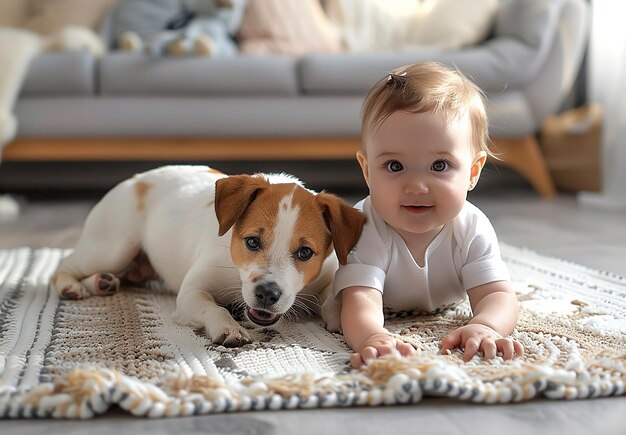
[(282, 233)]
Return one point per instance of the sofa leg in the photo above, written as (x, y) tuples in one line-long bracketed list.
[(524, 156)]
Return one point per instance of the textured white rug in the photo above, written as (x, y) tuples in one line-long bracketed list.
[(75, 359)]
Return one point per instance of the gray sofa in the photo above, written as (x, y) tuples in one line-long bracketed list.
[(75, 107)]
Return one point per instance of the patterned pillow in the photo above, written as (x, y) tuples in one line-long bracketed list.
[(50, 16), (288, 27)]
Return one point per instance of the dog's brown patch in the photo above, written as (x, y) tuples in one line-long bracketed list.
[(215, 171), (310, 231), (141, 190), (259, 219)]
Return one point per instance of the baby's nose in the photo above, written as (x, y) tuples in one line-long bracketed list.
[(415, 185)]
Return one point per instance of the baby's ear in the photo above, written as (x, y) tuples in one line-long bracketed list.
[(344, 222), (480, 158), (362, 159)]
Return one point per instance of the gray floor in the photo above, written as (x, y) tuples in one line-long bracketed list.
[(560, 228)]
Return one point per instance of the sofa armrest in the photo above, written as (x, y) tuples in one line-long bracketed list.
[(547, 91), (524, 32)]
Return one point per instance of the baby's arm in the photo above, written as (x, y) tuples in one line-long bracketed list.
[(495, 314), (362, 321)]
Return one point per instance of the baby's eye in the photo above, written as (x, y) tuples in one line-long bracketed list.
[(394, 166), (440, 165)]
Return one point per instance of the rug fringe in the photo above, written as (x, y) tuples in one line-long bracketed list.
[(86, 392)]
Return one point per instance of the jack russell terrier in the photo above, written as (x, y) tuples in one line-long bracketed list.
[(261, 242)]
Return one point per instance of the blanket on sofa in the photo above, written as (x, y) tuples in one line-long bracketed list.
[(75, 359), (17, 48), (29, 27)]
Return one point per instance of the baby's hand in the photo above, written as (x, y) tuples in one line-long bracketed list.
[(474, 337), (379, 345)]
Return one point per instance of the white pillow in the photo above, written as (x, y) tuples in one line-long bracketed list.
[(402, 25)]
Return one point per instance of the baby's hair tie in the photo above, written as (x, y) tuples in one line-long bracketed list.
[(394, 79), (392, 76)]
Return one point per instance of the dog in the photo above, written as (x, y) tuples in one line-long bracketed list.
[(261, 242)]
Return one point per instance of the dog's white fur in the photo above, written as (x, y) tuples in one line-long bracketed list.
[(184, 219)]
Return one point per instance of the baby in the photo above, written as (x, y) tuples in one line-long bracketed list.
[(425, 142)]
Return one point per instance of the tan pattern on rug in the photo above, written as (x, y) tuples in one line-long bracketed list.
[(75, 359), (118, 332)]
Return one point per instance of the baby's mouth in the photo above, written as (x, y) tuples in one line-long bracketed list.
[(262, 317), (417, 209)]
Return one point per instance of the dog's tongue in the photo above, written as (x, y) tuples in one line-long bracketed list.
[(262, 318)]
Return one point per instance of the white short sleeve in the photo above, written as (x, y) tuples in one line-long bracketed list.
[(482, 262), (369, 260)]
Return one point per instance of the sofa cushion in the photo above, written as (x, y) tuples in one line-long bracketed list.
[(244, 116), (69, 73), (498, 64), (334, 116), (133, 74), (494, 67), (523, 35)]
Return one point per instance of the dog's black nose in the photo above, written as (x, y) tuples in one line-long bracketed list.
[(267, 294)]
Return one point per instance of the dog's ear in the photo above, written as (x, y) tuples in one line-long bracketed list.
[(344, 222), (233, 195)]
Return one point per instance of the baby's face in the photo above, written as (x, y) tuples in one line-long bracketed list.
[(419, 171)]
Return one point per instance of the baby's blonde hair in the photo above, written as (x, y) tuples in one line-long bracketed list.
[(428, 87)]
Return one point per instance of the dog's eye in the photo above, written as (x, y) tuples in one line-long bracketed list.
[(304, 253), (253, 243)]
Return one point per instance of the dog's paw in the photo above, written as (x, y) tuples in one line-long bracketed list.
[(73, 292), (232, 337), (68, 287), (331, 314), (101, 284), (106, 284), (333, 325)]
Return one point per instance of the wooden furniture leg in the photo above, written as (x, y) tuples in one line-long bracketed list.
[(524, 156)]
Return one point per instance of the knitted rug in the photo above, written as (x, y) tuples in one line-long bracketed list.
[(75, 359)]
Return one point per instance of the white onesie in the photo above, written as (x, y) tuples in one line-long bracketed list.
[(464, 254)]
